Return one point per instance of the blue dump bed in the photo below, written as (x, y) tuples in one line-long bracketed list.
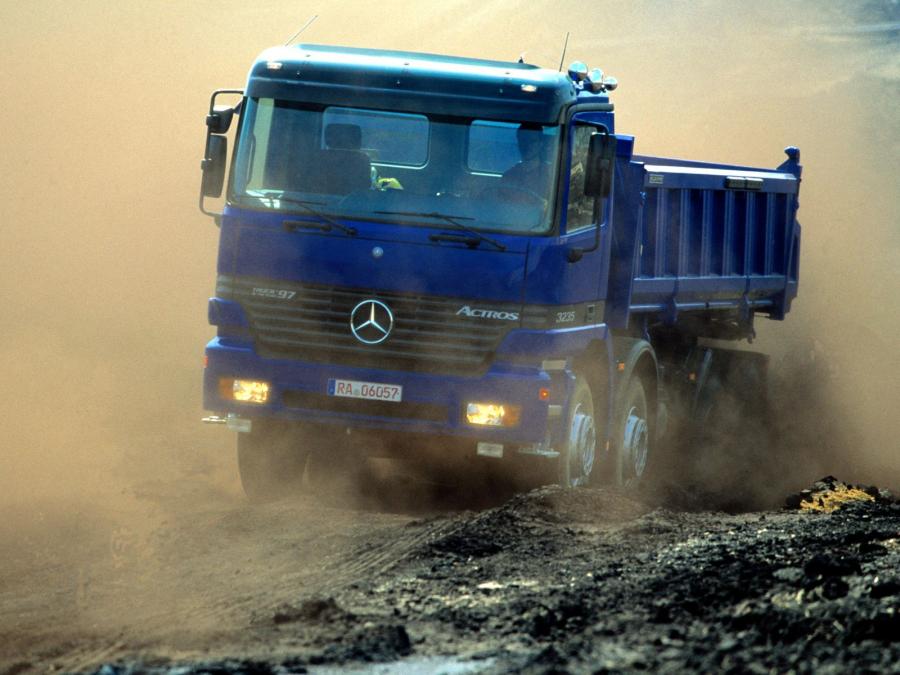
[(706, 237)]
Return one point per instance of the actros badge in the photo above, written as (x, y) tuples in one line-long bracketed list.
[(479, 313), (371, 322)]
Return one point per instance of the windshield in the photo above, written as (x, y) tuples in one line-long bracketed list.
[(389, 166)]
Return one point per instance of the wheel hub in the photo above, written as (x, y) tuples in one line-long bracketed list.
[(635, 444)]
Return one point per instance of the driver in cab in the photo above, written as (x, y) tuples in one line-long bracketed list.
[(532, 173)]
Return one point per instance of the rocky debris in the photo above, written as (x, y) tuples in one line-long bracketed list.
[(371, 642), (885, 589), (671, 592), (829, 494), (535, 517), (555, 581), (225, 667), (334, 635), (18, 667), (312, 610)]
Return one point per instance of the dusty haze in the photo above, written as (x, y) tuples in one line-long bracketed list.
[(107, 264)]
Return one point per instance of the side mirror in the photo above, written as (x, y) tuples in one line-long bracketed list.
[(600, 164), (213, 166), (215, 159), (219, 120)]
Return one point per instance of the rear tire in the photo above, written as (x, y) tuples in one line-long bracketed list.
[(731, 455), (632, 436), (271, 460)]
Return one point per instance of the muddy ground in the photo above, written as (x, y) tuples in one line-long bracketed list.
[(546, 581)]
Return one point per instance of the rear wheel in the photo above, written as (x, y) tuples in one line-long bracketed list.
[(730, 454), (271, 460), (631, 436), (579, 452)]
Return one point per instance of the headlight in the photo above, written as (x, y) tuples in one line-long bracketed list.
[(243, 391), (493, 414)]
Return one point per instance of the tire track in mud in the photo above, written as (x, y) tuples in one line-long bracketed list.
[(165, 561), (379, 558), (268, 555)]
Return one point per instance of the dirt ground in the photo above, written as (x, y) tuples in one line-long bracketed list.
[(545, 581)]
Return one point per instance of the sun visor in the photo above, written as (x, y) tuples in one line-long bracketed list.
[(413, 83)]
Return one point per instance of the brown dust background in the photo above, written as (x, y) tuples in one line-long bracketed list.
[(106, 263)]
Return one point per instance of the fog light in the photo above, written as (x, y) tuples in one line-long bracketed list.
[(244, 391), (492, 414)]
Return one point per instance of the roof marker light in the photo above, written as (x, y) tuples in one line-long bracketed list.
[(578, 71), (594, 80), (597, 82)]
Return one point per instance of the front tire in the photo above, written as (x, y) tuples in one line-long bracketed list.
[(579, 452), (336, 470), (271, 460)]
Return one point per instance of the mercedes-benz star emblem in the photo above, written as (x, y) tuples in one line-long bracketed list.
[(371, 322)]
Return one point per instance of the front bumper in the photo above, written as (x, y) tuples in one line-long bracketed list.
[(432, 403)]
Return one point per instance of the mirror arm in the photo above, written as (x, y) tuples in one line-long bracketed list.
[(215, 215), (576, 253), (219, 92)]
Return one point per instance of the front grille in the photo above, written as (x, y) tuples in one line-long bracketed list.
[(427, 412), (313, 323)]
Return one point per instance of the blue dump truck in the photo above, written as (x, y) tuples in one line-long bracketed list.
[(422, 251)]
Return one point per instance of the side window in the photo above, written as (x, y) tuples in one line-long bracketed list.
[(580, 209), (496, 147), (492, 147), (252, 151)]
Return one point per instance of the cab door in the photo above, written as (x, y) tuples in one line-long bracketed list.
[(570, 270)]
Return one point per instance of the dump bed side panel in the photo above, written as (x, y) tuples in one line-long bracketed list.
[(713, 237)]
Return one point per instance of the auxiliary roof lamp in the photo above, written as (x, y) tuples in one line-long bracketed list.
[(593, 80)]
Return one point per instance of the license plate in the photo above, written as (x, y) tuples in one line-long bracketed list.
[(371, 391)]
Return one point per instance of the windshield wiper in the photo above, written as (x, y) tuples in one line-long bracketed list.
[(306, 205), (451, 220)]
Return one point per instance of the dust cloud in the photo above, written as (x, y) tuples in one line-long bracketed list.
[(107, 264)]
